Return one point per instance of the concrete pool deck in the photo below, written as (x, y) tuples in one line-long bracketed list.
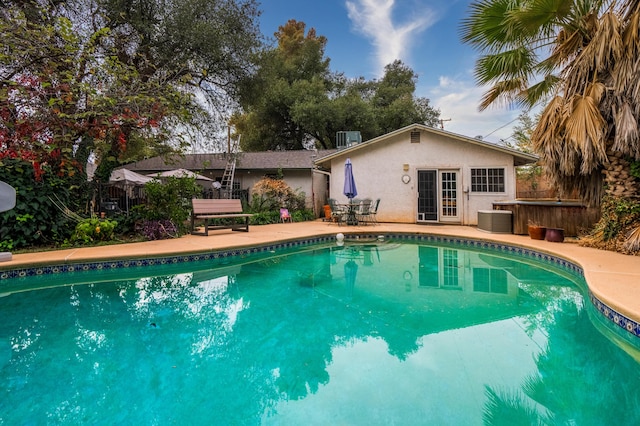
[(612, 277)]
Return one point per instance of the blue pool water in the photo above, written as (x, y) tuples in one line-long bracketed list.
[(366, 333)]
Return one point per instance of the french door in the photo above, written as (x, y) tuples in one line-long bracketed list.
[(438, 196)]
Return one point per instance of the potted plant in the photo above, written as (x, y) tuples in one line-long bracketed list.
[(536, 231), (555, 235)]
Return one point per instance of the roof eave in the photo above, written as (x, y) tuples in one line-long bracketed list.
[(520, 158)]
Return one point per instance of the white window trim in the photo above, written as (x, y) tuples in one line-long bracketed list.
[(504, 177)]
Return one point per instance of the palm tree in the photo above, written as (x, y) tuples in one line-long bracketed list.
[(581, 59)]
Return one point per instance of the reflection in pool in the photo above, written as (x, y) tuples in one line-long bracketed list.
[(375, 333)]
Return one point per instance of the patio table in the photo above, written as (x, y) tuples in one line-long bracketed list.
[(351, 209)]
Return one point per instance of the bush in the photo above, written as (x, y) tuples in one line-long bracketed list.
[(94, 229), (170, 200), (35, 220), (158, 229), (128, 224), (620, 217), (265, 218), (303, 215), (269, 195)]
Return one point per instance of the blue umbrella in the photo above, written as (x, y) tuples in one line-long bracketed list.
[(350, 272), (350, 190)]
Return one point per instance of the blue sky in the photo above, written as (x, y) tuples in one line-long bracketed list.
[(365, 35)]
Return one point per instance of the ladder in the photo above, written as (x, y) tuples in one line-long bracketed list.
[(230, 169)]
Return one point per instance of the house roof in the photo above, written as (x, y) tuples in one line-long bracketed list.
[(520, 158), (266, 160)]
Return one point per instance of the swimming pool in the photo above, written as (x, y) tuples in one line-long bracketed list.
[(417, 332)]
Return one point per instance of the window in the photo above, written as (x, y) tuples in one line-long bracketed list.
[(415, 137), (488, 280), (450, 268), (487, 180)]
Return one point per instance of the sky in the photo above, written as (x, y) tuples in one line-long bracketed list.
[(365, 35)]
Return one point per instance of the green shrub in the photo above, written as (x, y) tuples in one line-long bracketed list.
[(171, 200), (269, 195), (93, 230), (265, 218), (302, 215), (128, 224), (35, 220)]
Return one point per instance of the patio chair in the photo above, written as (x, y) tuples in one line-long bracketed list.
[(284, 215), (363, 212), (337, 213), (373, 211)]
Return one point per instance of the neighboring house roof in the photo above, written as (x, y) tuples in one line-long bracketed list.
[(520, 158), (266, 160)]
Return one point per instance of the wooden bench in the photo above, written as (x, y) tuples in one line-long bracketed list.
[(205, 209)]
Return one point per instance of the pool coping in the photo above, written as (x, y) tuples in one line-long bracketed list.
[(613, 279)]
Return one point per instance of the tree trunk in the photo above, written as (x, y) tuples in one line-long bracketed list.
[(619, 183)]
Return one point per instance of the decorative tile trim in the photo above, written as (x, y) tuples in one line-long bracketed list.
[(615, 317), (57, 269)]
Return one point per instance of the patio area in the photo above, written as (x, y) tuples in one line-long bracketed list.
[(613, 278)]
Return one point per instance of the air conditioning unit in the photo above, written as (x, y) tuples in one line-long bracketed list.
[(345, 139)]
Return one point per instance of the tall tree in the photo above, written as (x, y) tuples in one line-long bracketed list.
[(295, 101), (120, 79), (580, 58), (287, 101), (394, 100), (116, 80)]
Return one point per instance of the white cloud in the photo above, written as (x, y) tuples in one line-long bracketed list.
[(458, 100), (456, 96), (374, 19)]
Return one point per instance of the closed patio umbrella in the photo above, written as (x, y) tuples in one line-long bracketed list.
[(350, 272), (350, 190)]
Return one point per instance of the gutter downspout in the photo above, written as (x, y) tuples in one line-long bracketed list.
[(322, 172)]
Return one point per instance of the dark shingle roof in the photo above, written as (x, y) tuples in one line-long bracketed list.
[(267, 160)]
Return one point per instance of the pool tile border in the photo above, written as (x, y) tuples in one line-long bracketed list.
[(608, 312)]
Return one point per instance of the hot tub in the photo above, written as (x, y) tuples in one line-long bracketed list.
[(572, 216)]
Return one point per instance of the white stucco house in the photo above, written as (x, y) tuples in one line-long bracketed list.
[(427, 175)]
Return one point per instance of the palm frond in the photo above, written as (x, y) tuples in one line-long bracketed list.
[(606, 46), (502, 92), (627, 135), (539, 91), (505, 65), (595, 91), (64, 209), (547, 132), (566, 47), (585, 130), (630, 7), (508, 408), (545, 13), (632, 242), (625, 72), (485, 26)]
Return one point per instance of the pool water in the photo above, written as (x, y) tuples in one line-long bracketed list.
[(365, 333)]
